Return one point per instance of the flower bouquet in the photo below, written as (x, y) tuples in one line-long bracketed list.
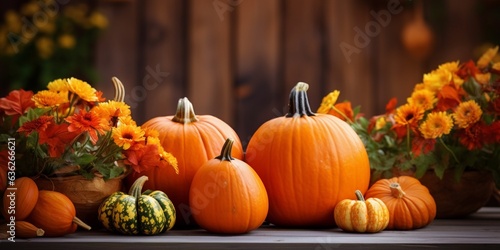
[(68, 138), (450, 123)]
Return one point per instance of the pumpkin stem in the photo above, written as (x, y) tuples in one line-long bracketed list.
[(396, 190), (225, 153), (185, 112), (79, 222), (299, 103), (359, 195), (119, 89), (136, 188)]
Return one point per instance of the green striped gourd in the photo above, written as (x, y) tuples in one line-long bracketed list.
[(147, 213)]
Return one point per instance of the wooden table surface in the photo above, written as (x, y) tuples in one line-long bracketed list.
[(478, 231)]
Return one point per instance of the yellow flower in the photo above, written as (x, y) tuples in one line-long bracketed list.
[(451, 67), (49, 99), (111, 112), (30, 8), (328, 102), (424, 98), (13, 22), (486, 58), (45, 47), (168, 157), (483, 78), (496, 66), (380, 123), (435, 80), (418, 86), (59, 85), (409, 115), (467, 113), (436, 125), (67, 41), (126, 135), (98, 20), (82, 89), (126, 120)]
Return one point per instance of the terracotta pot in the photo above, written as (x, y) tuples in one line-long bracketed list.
[(456, 199), (85, 194)]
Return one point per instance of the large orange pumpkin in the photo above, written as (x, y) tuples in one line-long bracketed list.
[(410, 204), (19, 202), (227, 196), (308, 163), (55, 214), (193, 140)]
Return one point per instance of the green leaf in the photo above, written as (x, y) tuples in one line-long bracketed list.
[(84, 159)]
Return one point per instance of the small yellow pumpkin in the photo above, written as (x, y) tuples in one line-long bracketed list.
[(362, 216)]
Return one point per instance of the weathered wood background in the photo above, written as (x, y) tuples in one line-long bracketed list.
[(238, 59)]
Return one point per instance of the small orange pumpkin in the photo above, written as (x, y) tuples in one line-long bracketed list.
[(362, 216), (55, 214), (227, 196), (23, 198), (410, 204), (193, 140)]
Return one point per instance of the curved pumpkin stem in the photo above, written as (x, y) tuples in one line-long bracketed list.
[(136, 188), (359, 195), (225, 154), (79, 222), (185, 112), (119, 89), (396, 190), (299, 103)]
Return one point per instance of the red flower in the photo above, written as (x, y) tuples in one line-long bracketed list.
[(143, 157), (390, 107), (57, 137), (420, 145), (17, 102), (475, 136), (468, 69), (38, 125), (448, 97), (86, 121)]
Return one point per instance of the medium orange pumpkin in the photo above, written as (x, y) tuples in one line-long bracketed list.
[(55, 214), (308, 163), (193, 140), (410, 204), (23, 198), (227, 196)]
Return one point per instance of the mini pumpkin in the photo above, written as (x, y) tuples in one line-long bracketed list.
[(362, 216), (55, 213), (24, 198), (147, 213), (410, 204), (227, 196)]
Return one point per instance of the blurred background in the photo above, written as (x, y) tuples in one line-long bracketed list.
[(239, 59)]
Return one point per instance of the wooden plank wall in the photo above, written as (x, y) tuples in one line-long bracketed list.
[(238, 59)]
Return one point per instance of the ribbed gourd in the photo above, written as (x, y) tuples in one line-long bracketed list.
[(147, 213)]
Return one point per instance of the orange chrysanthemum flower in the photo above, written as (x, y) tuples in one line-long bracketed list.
[(126, 120), (409, 115), (111, 112), (467, 113), (126, 136), (436, 125), (57, 137), (423, 98), (49, 99), (84, 121), (38, 125), (82, 90)]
